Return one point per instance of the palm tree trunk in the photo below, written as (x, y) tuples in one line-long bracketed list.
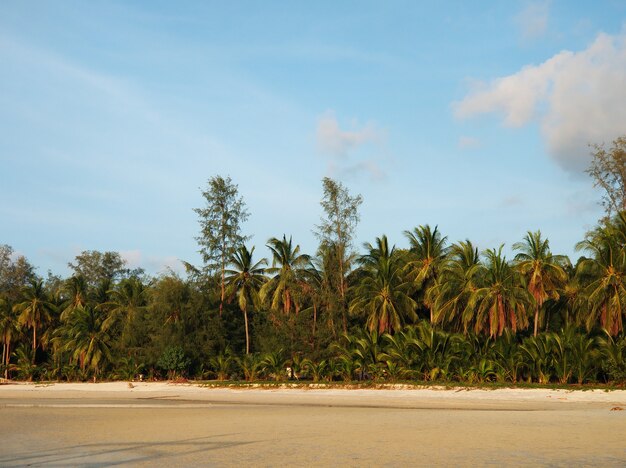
[(245, 318), (34, 343), (536, 319), (6, 369), (222, 287)]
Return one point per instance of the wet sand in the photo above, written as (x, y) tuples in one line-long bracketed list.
[(183, 425)]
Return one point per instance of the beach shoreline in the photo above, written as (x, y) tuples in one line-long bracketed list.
[(398, 397), (175, 424)]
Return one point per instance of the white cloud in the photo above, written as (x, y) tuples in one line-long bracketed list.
[(350, 151), (533, 20), (467, 142), (136, 259), (335, 141), (576, 97), (511, 201)]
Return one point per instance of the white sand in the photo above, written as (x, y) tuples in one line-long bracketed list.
[(396, 397), (187, 425)]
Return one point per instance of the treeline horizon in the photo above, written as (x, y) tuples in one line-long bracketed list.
[(435, 311)]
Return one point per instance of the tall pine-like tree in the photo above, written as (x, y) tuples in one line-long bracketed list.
[(220, 227), (336, 232)]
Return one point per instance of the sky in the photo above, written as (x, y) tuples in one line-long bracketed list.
[(472, 116)]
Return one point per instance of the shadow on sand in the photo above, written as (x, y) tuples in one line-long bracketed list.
[(117, 453)]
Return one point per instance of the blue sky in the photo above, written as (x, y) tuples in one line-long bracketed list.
[(474, 116)]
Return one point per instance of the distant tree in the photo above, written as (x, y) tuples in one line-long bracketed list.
[(16, 272), (382, 295), (35, 309), (8, 331), (336, 232), (453, 288), (608, 170), (543, 271), (87, 339), (244, 280), (128, 301), (288, 268), (75, 295), (220, 227), (98, 267), (426, 256), (174, 361), (604, 275), (499, 301)]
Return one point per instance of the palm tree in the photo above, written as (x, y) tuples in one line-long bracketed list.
[(287, 266), (543, 272), (244, 280), (8, 331), (427, 253), (313, 289), (604, 277), (499, 301), (458, 280), (87, 339), (382, 295), (127, 301), (75, 289), (323, 275), (537, 353), (250, 365), (35, 309)]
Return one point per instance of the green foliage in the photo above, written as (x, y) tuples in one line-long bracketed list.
[(16, 272), (289, 320), (174, 361), (608, 171), (98, 267), (336, 232), (222, 365), (382, 296), (220, 222)]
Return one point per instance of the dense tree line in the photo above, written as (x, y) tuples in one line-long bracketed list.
[(434, 311)]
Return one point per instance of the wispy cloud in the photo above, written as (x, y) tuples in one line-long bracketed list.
[(352, 151), (469, 143), (533, 20), (337, 142), (151, 263), (576, 97), (512, 201)]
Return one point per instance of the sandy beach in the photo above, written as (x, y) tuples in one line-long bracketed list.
[(107, 424)]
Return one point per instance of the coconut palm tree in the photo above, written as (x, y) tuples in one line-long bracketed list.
[(87, 339), (427, 253), (453, 288), (604, 277), (313, 289), (287, 265), (35, 309), (75, 290), (383, 295), (8, 331), (127, 301), (543, 272), (499, 300), (244, 281)]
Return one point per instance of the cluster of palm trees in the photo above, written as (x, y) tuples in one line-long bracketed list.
[(427, 354), (431, 311), (72, 327)]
